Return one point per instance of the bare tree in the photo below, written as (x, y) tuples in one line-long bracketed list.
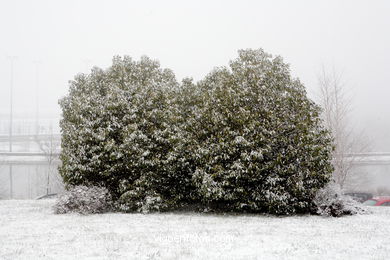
[(336, 104), (50, 147)]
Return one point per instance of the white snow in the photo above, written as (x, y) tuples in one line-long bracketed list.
[(30, 230)]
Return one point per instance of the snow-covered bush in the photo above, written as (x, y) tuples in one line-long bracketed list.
[(119, 131), (84, 200), (255, 139), (245, 138), (146, 202), (330, 201)]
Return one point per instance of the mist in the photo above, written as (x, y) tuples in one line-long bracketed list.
[(237, 166), (49, 42), (55, 40)]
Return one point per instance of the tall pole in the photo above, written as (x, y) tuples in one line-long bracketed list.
[(12, 59), (11, 97), (37, 62)]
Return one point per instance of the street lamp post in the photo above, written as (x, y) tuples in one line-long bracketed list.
[(37, 63), (12, 59)]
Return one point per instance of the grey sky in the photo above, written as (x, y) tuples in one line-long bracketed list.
[(191, 37)]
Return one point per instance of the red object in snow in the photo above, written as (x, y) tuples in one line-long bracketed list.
[(378, 201)]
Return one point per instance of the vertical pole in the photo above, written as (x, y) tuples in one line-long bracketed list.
[(37, 96), (12, 58)]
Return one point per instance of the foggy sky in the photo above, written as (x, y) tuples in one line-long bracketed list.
[(59, 39)]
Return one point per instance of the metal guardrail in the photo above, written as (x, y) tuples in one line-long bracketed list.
[(374, 158), (27, 154), (29, 162), (27, 138), (27, 158), (372, 154)]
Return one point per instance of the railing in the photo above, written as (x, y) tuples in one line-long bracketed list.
[(28, 158), (371, 154), (29, 138), (27, 144)]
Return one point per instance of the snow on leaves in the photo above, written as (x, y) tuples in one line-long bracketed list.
[(245, 137)]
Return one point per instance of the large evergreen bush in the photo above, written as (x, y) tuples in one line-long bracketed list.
[(117, 132), (245, 138)]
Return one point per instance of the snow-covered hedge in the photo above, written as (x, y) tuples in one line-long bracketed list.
[(245, 138)]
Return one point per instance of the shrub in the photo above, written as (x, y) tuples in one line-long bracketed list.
[(84, 200), (255, 139), (246, 138), (118, 131), (330, 201), (132, 201)]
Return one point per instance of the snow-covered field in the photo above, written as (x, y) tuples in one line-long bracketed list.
[(29, 230)]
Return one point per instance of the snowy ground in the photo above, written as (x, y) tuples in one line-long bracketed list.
[(29, 230)]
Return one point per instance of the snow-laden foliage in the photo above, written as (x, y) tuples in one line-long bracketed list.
[(257, 141), (84, 200), (118, 131), (245, 138), (331, 202)]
